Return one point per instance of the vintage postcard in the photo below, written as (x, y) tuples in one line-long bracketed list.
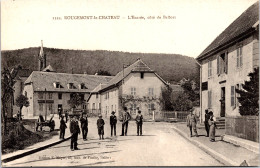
[(129, 83)]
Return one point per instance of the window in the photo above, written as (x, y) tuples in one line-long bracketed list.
[(99, 106), (142, 75), (239, 57), (209, 99), (40, 95), (50, 95), (222, 63), (209, 68), (58, 85), (133, 91), (133, 108), (97, 96), (233, 96), (59, 96), (238, 86), (82, 86), (150, 108), (111, 107), (50, 107), (40, 106), (150, 91), (71, 86), (93, 106)]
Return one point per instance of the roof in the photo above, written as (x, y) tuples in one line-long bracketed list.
[(45, 80), (48, 69), (138, 66), (243, 24)]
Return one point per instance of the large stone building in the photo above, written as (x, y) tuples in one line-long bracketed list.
[(227, 61), (48, 91), (136, 87)]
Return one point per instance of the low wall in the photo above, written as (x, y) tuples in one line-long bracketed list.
[(246, 127), (178, 115)]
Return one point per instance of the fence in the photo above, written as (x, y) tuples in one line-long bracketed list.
[(175, 115), (246, 127)]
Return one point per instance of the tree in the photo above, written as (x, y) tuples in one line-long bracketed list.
[(166, 98), (182, 103), (20, 102), (7, 88), (249, 95), (103, 72), (75, 100)]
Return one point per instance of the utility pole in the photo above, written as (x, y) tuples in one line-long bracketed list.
[(45, 106)]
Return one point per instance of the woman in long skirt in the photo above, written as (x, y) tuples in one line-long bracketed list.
[(212, 127)]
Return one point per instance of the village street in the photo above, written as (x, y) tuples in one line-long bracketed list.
[(159, 146)]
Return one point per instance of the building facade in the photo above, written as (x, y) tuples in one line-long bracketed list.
[(227, 61), (49, 91), (136, 87)]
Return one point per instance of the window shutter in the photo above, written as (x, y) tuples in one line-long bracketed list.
[(209, 99), (238, 57), (226, 62), (218, 70), (241, 57), (232, 95)]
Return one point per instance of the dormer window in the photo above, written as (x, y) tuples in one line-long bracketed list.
[(71, 86), (58, 85), (83, 86)]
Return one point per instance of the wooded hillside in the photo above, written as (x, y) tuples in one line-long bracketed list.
[(171, 67)]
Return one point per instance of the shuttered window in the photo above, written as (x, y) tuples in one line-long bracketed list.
[(209, 99), (239, 57), (209, 68), (232, 96), (133, 91), (222, 63)]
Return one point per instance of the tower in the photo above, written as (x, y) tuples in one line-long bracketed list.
[(42, 58)]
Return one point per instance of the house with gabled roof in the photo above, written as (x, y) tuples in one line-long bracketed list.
[(137, 87), (227, 61), (49, 91)]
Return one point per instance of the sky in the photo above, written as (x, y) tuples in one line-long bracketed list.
[(191, 25)]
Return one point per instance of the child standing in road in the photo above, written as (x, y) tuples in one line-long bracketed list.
[(100, 126)]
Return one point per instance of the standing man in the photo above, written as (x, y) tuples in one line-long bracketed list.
[(191, 122), (63, 126), (126, 118), (139, 123), (74, 130), (206, 122), (84, 126), (100, 126), (113, 121)]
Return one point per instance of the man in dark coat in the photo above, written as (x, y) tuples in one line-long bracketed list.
[(74, 130), (206, 122), (126, 118), (113, 121), (84, 126), (100, 126), (63, 126), (191, 123), (139, 123)]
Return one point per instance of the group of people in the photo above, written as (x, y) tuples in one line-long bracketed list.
[(75, 129), (210, 124)]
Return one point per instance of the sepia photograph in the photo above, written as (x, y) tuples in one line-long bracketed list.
[(129, 83)]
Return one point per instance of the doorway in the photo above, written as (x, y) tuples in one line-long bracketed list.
[(222, 102)]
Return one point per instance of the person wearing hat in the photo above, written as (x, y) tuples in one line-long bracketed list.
[(63, 126), (84, 126), (100, 126), (75, 130), (126, 118), (206, 122), (191, 123), (139, 123), (113, 121)]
